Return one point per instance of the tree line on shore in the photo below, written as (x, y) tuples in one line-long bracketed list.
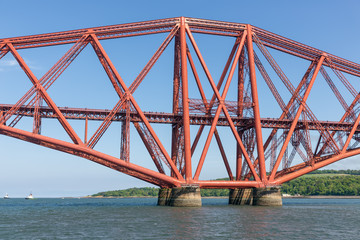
[(329, 171), (320, 182), (153, 192), (345, 185)]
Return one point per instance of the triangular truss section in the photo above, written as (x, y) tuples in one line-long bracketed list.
[(287, 143)]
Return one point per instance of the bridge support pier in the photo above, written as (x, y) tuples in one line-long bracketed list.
[(164, 196), (267, 196), (180, 197), (241, 196)]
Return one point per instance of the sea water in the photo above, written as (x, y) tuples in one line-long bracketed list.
[(140, 218)]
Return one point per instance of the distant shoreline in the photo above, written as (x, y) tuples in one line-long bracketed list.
[(324, 197), (224, 197), (121, 197)]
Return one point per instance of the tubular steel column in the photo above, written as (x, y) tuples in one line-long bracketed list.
[(125, 135), (254, 93), (185, 98), (86, 130), (240, 112), (176, 91), (1, 116)]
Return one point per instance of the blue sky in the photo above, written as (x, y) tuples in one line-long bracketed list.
[(328, 25)]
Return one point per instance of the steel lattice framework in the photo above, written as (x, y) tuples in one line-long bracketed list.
[(289, 134)]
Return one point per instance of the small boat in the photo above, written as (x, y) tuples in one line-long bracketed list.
[(6, 196), (30, 196)]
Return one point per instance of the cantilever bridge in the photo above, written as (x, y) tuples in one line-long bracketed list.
[(264, 150)]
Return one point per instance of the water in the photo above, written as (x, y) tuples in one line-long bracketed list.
[(140, 218)]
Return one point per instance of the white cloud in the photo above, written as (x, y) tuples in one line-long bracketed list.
[(8, 63), (32, 64)]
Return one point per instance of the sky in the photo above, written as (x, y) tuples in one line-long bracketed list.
[(327, 25)]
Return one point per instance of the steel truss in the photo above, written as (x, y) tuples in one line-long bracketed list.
[(290, 132)]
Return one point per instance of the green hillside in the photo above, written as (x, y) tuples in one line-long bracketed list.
[(153, 192), (333, 184), (131, 192), (320, 182)]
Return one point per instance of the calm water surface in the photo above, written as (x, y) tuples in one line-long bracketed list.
[(140, 218)]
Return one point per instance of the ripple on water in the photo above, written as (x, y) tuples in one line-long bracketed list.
[(140, 218)]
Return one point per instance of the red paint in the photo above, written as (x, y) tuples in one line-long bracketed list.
[(214, 112)]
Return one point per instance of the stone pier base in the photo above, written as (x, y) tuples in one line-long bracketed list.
[(164, 196), (180, 197), (268, 196), (241, 196)]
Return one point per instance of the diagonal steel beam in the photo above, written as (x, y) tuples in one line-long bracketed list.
[(48, 79), (217, 94), (3, 51), (70, 131), (297, 116), (203, 97), (116, 80), (221, 99), (92, 155), (128, 97), (212, 101)]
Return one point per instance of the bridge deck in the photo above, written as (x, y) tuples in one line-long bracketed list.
[(170, 118), (335, 140)]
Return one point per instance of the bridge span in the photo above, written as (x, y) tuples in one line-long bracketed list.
[(262, 119)]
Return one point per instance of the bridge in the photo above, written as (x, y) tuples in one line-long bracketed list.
[(262, 143)]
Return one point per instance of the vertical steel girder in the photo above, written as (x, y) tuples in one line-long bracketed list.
[(125, 135), (185, 101), (254, 94), (181, 160), (177, 133), (240, 97)]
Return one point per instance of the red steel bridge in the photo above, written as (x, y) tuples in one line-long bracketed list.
[(264, 151)]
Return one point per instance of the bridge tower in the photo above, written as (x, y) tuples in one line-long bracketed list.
[(260, 120)]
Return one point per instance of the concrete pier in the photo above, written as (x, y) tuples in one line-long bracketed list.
[(241, 196), (180, 197), (267, 196), (164, 196)]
